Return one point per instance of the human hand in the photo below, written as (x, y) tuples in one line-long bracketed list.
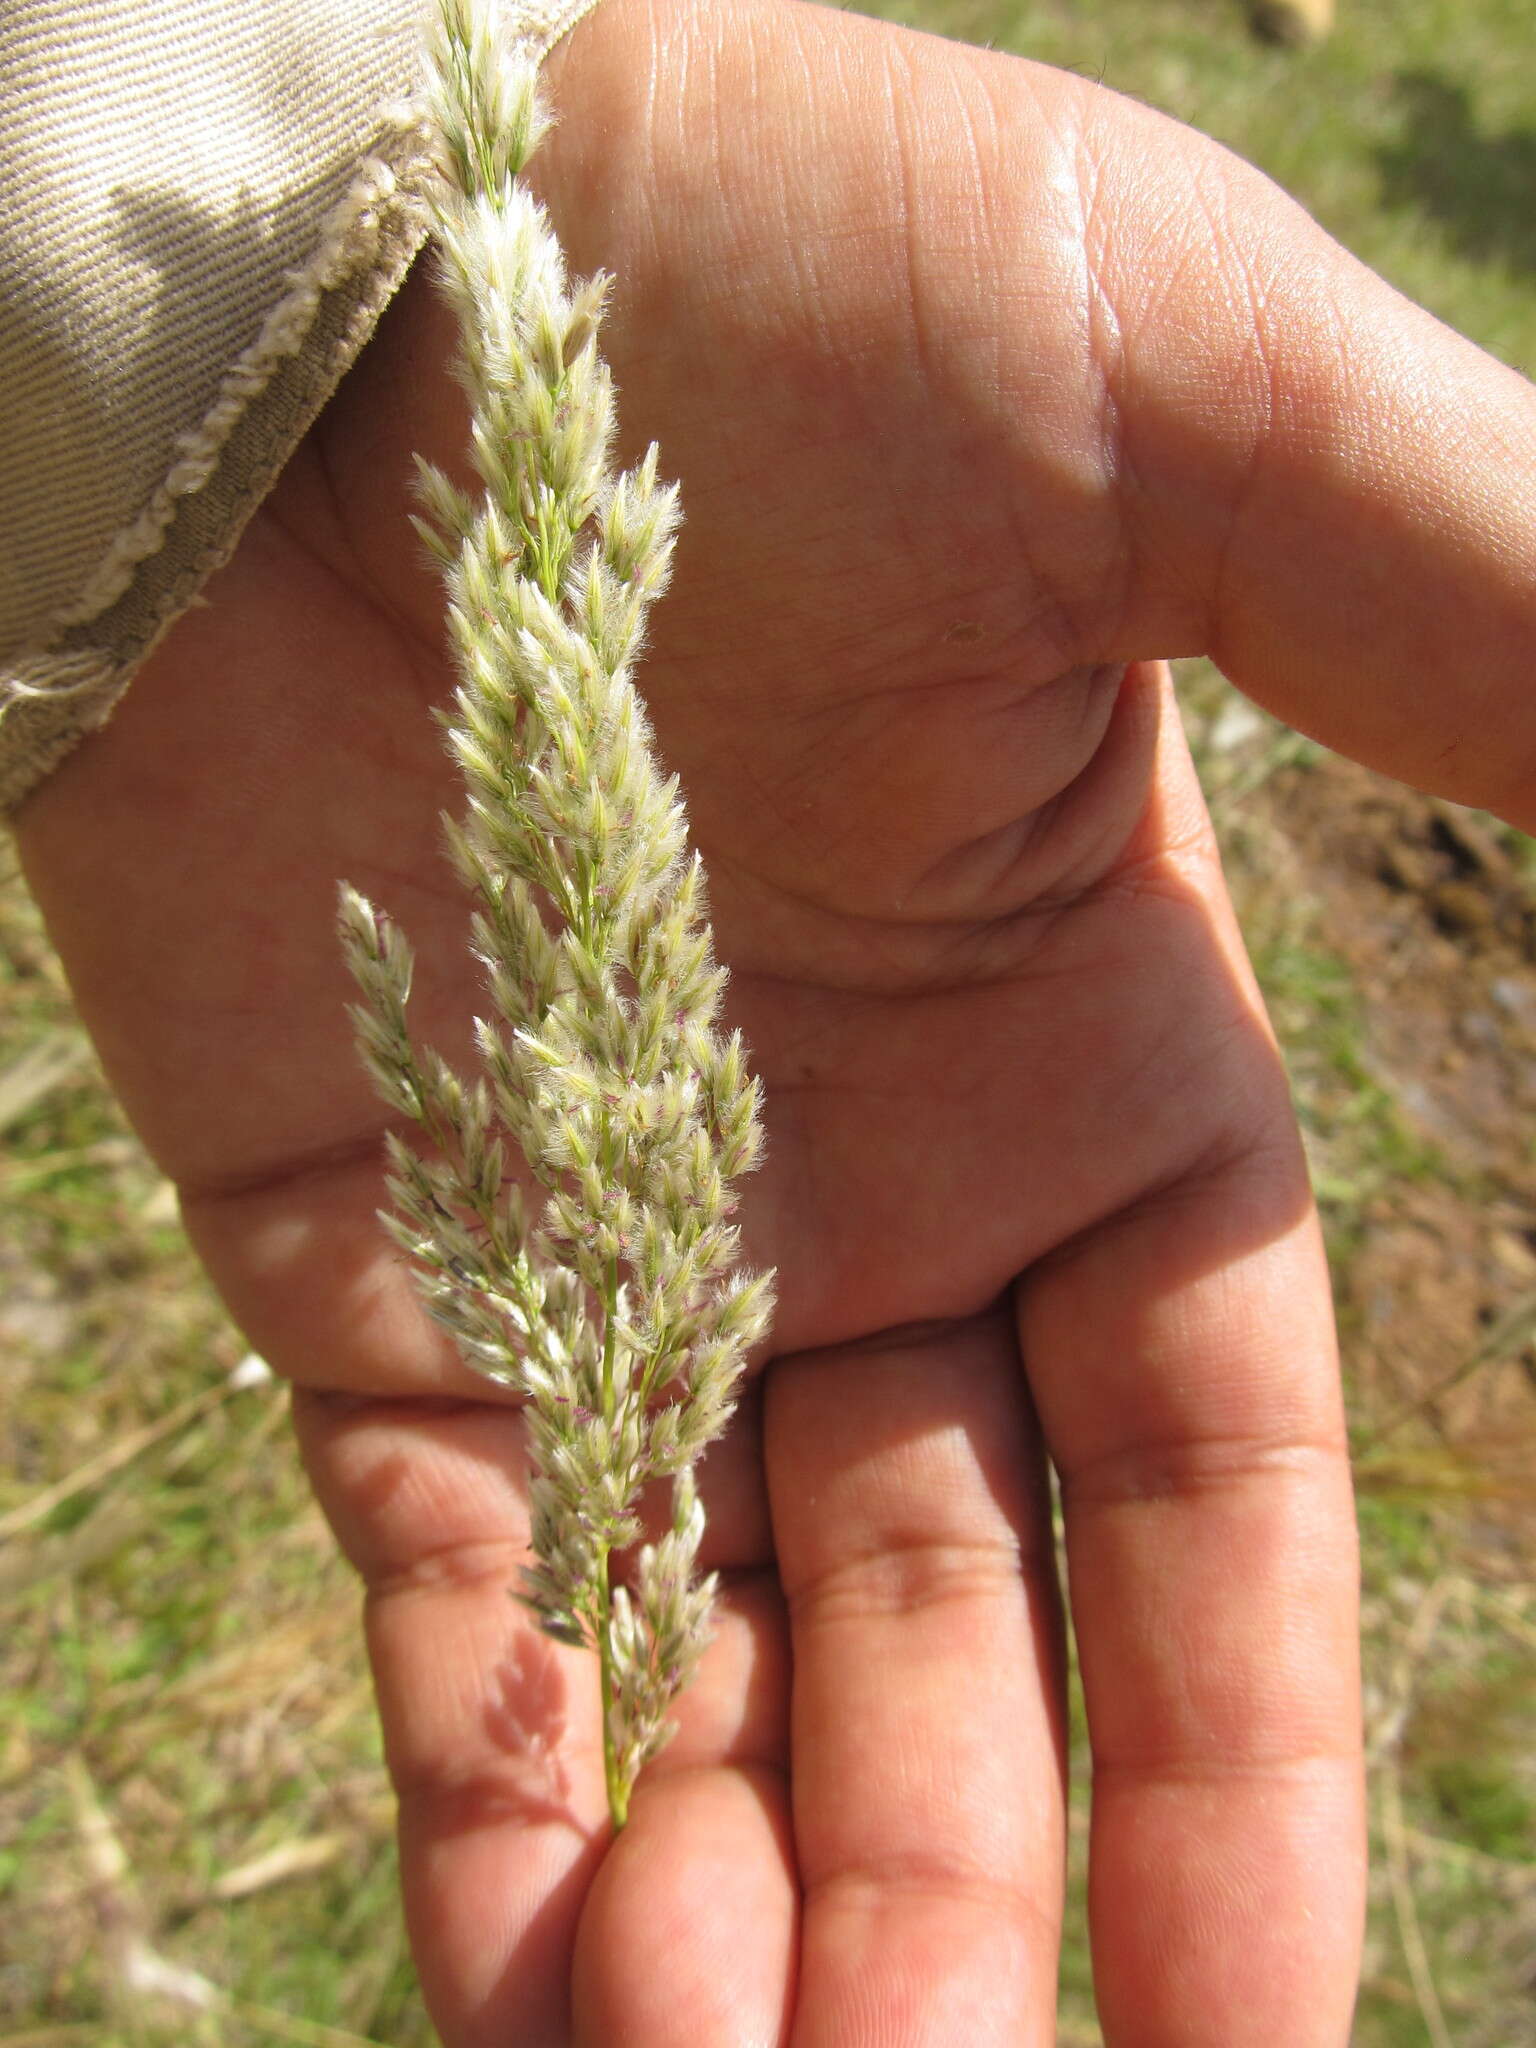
[(985, 388)]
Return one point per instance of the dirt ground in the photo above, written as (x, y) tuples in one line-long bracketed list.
[(1432, 910)]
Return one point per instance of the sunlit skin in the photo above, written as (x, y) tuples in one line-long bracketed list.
[(987, 390)]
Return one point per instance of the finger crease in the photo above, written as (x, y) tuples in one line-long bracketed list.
[(1226, 1769), (907, 1579), (452, 1564), (912, 1877), (1189, 1471)]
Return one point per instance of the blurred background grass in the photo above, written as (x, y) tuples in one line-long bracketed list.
[(194, 1821)]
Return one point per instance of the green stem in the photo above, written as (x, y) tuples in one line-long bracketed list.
[(618, 1791), (610, 1317)]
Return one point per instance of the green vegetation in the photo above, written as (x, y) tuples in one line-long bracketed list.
[(1483, 1806), (187, 1749), (187, 1752)]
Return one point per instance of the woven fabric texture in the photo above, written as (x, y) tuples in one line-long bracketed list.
[(204, 207)]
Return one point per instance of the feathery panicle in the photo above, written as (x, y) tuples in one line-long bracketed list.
[(618, 1311)]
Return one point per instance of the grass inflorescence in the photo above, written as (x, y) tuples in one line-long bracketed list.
[(618, 1311)]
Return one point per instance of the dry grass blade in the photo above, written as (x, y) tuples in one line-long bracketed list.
[(1284, 749), (1509, 1336), (51, 2037), (110, 1526), (1508, 1611), (1400, 1872), (1503, 1871), (277, 1866), (140, 1978), (1414, 1648), (42, 1504), (44, 1066), (116, 1456), (24, 1174), (306, 2033)]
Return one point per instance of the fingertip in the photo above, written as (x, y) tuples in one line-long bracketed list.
[(1238, 1896), (691, 1928)]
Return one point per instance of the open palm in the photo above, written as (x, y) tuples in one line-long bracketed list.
[(985, 389)]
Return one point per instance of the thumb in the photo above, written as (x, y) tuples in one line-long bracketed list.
[(1330, 493)]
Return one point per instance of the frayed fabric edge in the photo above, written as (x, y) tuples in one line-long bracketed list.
[(66, 681), (349, 239)]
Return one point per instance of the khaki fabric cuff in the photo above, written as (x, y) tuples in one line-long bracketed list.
[(204, 207)]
